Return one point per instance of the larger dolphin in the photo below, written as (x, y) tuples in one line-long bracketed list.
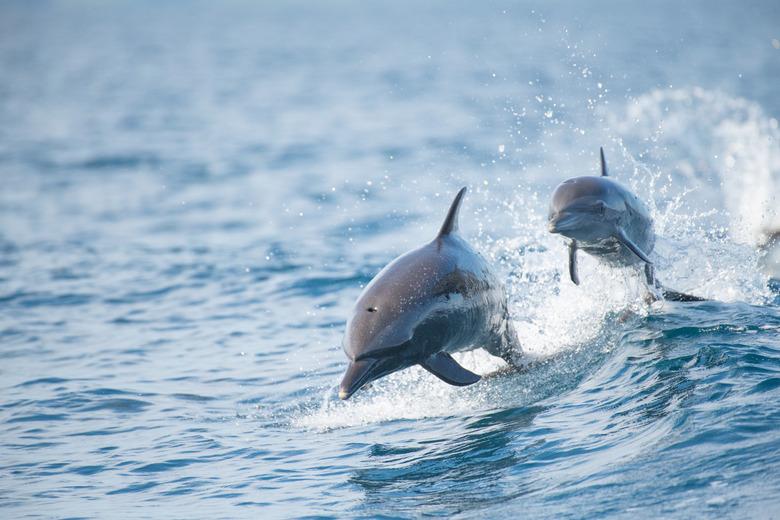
[(606, 220), (430, 302)]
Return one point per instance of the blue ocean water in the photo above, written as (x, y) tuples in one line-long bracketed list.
[(194, 194)]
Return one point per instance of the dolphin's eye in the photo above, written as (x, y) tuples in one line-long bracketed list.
[(371, 309)]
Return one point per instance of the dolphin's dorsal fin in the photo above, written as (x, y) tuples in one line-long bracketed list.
[(451, 221), (603, 163)]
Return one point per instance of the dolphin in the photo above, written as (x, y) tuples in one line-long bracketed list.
[(608, 221), (428, 303)]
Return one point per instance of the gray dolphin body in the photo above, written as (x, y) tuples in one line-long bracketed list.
[(430, 302), (606, 220)]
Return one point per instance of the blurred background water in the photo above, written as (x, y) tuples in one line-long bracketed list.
[(194, 194)]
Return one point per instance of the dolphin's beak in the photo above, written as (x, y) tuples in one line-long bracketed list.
[(358, 374), (565, 221), (554, 224)]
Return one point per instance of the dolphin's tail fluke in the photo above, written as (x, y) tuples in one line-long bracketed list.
[(668, 294), (674, 296)]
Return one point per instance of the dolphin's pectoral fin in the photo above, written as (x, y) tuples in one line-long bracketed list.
[(573, 263), (448, 370), (603, 163), (621, 236)]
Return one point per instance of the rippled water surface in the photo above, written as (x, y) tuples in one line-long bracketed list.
[(194, 194)]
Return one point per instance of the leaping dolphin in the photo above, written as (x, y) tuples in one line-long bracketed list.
[(430, 302), (606, 220)]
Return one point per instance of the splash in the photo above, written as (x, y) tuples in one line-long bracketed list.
[(413, 394), (705, 164), (554, 315), (708, 166), (406, 395), (720, 154)]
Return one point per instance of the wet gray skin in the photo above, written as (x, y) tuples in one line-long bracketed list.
[(606, 220), (423, 306)]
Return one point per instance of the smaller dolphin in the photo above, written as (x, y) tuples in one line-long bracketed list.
[(606, 220), (430, 302)]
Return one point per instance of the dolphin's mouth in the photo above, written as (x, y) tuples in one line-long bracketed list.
[(363, 371), (565, 221)]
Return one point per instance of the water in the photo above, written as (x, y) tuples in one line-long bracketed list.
[(194, 194)]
